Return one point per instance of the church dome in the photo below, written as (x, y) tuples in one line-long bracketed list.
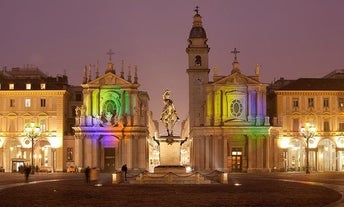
[(197, 30)]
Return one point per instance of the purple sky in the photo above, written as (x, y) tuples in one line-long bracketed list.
[(288, 38)]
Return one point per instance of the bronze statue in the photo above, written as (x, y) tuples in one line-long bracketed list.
[(169, 115)]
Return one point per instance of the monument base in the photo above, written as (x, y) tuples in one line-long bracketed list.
[(170, 148)]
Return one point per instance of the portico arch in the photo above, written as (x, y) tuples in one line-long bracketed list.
[(326, 155)]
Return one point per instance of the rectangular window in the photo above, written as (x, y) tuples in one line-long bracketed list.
[(42, 86), (27, 102), (28, 86), (326, 126), (341, 127), (326, 103), (296, 126), (295, 103), (341, 103), (12, 103), (11, 86), (310, 102), (43, 102)]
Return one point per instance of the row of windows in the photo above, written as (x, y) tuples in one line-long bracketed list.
[(27, 102), (326, 126), (326, 103), (27, 86)]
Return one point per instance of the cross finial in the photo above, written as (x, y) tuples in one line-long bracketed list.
[(196, 10), (110, 53), (235, 52)]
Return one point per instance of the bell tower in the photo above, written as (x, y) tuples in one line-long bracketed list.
[(198, 70)]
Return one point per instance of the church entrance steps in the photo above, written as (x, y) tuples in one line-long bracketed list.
[(170, 178)]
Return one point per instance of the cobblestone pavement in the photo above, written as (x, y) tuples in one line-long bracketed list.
[(271, 189)]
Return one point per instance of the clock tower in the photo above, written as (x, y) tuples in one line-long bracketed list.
[(198, 70)]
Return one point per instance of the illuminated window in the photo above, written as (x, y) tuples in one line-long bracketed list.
[(27, 102), (310, 102), (295, 102), (236, 108), (42, 86), (341, 103), (12, 103), (28, 86), (43, 102), (11, 86)]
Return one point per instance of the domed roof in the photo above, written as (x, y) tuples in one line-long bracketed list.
[(197, 30)]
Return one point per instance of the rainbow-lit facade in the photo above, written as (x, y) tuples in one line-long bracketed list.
[(112, 125), (227, 126)]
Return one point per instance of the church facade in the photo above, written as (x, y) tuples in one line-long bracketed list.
[(112, 125), (228, 127)]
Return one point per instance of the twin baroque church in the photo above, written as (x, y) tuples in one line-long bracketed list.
[(227, 127)]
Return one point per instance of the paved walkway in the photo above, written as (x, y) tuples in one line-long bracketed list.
[(273, 189)]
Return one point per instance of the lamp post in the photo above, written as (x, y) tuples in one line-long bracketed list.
[(53, 150), (32, 131), (308, 132)]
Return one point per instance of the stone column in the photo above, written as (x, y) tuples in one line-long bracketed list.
[(78, 151)]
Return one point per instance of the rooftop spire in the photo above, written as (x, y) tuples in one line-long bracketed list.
[(122, 69), (129, 73), (97, 69), (85, 75), (135, 76)]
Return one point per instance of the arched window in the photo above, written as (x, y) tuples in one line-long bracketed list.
[(198, 60)]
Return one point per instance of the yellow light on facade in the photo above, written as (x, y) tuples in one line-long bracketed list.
[(284, 143)]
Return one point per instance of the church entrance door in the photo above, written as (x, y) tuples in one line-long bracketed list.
[(236, 160), (109, 159)]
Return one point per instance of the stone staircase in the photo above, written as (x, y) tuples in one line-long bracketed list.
[(170, 178)]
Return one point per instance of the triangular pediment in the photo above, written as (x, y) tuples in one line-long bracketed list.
[(110, 79), (236, 79)]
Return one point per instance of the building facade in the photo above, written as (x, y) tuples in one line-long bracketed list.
[(30, 96), (318, 102), (112, 126), (228, 126)]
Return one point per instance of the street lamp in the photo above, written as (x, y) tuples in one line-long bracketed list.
[(308, 132), (32, 131)]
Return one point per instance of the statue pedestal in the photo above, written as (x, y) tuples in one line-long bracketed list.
[(169, 150), (170, 147)]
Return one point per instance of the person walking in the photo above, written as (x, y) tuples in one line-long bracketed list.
[(124, 171), (87, 174), (27, 171)]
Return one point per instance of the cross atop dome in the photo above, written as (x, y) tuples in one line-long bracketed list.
[(196, 9)]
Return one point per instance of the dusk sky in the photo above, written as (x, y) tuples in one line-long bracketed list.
[(288, 38)]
